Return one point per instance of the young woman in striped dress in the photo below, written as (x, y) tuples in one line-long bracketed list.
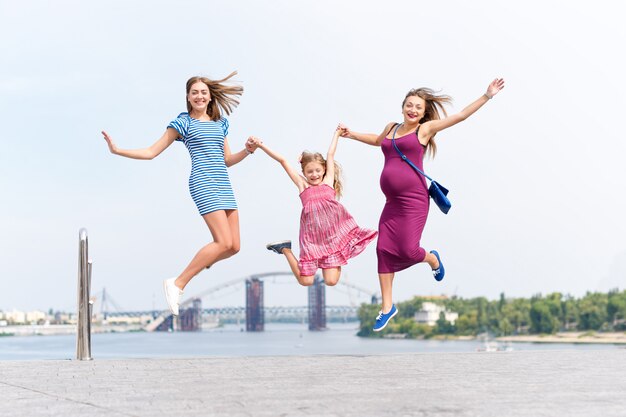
[(329, 236), (204, 132)]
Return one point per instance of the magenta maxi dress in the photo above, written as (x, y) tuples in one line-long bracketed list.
[(406, 210)]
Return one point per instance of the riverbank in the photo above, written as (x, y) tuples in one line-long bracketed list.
[(561, 337), (63, 329), (615, 338), (569, 337)]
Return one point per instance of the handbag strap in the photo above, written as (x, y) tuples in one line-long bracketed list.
[(403, 156)]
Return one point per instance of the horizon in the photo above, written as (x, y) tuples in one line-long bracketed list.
[(425, 297)]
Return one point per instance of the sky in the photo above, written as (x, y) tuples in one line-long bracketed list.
[(536, 176)]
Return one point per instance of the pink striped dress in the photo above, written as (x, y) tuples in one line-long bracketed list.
[(329, 236)]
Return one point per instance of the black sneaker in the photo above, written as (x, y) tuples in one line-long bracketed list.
[(278, 247)]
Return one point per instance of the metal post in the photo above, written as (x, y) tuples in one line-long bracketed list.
[(83, 333)]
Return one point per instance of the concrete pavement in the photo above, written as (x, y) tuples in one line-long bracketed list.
[(519, 383)]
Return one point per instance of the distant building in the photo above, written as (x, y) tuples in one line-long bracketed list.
[(15, 317), (35, 317), (125, 320), (430, 312)]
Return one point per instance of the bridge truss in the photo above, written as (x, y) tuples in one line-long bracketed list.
[(191, 308)]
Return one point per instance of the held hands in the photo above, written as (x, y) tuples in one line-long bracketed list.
[(344, 131), (495, 87), (112, 146), (253, 143)]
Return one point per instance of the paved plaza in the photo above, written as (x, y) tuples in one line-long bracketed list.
[(520, 383)]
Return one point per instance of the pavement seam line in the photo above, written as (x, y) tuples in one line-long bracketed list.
[(67, 399)]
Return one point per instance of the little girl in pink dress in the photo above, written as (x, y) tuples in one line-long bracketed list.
[(329, 235)]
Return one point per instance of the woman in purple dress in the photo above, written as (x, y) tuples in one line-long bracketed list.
[(406, 209)]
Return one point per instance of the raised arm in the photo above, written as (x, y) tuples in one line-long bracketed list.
[(329, 176), (431, 127), (150, 152), (293, 174), (368, 138)]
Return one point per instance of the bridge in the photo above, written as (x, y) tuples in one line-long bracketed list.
[(191, 311), (240, 311)]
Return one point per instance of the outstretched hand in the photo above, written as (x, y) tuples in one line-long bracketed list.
[(112, 146), (495, 87)]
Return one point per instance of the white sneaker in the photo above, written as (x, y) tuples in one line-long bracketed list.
[(172, 294)]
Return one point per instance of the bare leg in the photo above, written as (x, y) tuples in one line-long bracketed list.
[(431, 260), (386, 284), (331, 276), (224, 227), (305, 280), (233, 221)]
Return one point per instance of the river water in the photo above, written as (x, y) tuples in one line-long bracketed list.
[(278, 339)]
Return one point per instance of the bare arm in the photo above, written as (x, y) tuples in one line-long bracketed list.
[(293, 174), (234, 158), (329, 176), (429, 129), (368, 138), (150, 152)]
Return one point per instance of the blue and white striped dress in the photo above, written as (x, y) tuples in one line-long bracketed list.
[(209, 183)]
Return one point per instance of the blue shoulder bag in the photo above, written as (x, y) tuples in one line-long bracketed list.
[(436, 191)]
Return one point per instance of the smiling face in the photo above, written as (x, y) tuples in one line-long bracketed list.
[(199, 96), (314, 172), (413, 109)]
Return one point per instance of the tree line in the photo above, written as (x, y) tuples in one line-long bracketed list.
[(506, 316)]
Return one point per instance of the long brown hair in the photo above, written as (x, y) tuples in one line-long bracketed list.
[(224, 97), (307, 157), (434, 106)]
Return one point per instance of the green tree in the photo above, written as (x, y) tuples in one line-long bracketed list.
[(467, 324), (502, 302), (616, 307), (517, 312), (569, 305), (443, 326), (593, 311), (554, 302), (367, 316), (505, 328), (409, 308), (481, 313), (541, 318)]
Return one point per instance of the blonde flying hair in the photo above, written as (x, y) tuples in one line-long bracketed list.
[(308, 157), (434, 106), (224, 97)]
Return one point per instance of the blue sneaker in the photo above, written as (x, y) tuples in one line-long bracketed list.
[(278, 247), (440, 272), (383, 319)]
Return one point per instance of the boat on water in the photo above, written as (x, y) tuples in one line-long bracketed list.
[(494, 346)]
